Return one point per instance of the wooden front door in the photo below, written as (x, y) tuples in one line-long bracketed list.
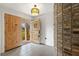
[(35, 30), (12, 31)]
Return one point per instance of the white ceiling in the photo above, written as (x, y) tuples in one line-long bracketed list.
[(26, 7)]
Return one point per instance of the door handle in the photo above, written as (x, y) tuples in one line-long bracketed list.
[(45, 38)]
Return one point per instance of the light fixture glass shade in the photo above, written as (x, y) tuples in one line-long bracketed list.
[(35, 11)]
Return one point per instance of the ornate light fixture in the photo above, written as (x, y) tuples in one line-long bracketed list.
[(35, 10)]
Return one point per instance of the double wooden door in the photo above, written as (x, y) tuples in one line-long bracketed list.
[(12, 31)]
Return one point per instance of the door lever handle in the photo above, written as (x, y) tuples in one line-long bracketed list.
[(45, 38)]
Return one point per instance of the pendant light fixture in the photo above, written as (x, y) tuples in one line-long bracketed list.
[(35, 11)]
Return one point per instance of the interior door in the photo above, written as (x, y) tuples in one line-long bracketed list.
[(12, 34), (35, 30), (17, 30), (8, 32)]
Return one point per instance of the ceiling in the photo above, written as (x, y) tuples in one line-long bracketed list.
[(26, 7)]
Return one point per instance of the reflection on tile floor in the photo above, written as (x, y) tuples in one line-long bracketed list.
[(31, 49)]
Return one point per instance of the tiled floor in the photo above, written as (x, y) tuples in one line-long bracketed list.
[(31, 49)]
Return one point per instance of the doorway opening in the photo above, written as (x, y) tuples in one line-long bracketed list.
[(25, 33)]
